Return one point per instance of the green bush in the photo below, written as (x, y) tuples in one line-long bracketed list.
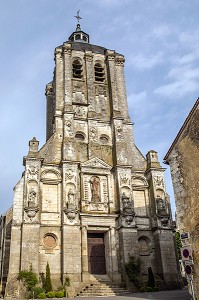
[(178, 244), (60, 288), (149, 289), (36, 291), (50, 294), (156, 289), (59, 294), (133, 271), (142, 289), (41, 296), (48, 283), (29, 277)]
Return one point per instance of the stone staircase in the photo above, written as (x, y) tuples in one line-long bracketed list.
[(102, 286)]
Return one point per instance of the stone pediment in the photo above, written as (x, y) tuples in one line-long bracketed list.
[(95, 163)]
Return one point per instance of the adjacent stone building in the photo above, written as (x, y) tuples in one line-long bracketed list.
[(88, 200), (183, 158)]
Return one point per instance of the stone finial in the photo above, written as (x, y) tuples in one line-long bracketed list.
[(152, 159), (33, 145)]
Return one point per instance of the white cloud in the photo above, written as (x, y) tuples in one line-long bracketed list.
[(146, 62)]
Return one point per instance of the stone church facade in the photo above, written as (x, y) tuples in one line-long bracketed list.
[(88, 200)]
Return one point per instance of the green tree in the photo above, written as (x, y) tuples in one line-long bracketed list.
[(48, 282), (151, 279), (178, 244)]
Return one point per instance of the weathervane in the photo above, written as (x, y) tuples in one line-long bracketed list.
[(78, 16)]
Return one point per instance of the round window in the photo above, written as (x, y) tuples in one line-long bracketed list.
[(49, 240)]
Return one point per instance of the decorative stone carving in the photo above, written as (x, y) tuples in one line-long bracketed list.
[(162, 212), (158, 181), (32, 198), (119, 133), (119, 61), (71, 196), (80, 111), (127, 204), (32, 171), (124, 179), (93, 134), (71, 212), (127, 210), (69, 174), (69, 127), (161, 207), (95, 189), (31, 212)]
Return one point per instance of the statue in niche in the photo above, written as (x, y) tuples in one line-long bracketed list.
[(93, 134), (95, 189), (71, 196), (32, 198), (161, 207), (127, 204)]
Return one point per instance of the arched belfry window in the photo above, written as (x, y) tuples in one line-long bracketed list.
[(99, 72), (77, 69)]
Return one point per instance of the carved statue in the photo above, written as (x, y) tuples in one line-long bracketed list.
[(161, 208), (32, 198), (95, 189), (71, 196), (127, 203)]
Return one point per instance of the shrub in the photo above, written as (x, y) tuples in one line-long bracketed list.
[(178, 244), (29, 277), (50, 294), (41, 296), (36, 291), (133, 270), (48, 283), (142, 289), (151, 279), (149, 289), (59, 294), (156, 289), (67, 281)]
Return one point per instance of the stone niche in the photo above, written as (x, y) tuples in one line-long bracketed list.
[(95, 178)]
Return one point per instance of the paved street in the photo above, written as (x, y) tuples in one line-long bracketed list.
[(166, 295)]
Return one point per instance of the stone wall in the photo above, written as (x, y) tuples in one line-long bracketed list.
[(184, 164)]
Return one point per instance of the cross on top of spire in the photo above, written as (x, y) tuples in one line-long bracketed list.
[(78, 16)]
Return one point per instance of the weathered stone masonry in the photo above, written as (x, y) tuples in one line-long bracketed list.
[(88, 199)]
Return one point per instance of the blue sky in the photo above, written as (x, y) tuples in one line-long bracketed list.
[(160, 42)]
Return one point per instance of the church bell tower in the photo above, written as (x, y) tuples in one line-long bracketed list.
[(88, 200)]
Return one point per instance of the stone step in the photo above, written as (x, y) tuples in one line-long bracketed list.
[(102, 286)]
